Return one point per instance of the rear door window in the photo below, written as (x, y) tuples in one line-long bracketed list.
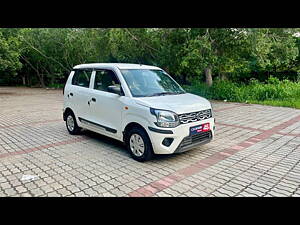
[(82, 78)]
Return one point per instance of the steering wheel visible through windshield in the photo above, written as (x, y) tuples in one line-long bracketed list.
[(147, 83)]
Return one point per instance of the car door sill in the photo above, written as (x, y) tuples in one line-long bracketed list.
[(98, 125)]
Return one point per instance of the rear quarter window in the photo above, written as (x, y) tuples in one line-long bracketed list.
[(82, 78)]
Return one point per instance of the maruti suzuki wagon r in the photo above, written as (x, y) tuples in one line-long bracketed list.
[(140, 105)]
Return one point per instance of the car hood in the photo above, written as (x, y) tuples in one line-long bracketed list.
[(182, 103)]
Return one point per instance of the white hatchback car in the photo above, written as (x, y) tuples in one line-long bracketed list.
[(139, 105)]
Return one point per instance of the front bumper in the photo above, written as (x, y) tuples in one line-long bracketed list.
[(192, 141), (181, 139)]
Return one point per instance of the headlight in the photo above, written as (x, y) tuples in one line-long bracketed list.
[(165, 118)]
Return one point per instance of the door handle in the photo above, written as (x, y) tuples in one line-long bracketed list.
[(93, 99)]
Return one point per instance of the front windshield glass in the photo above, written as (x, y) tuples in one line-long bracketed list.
[(147, 83)]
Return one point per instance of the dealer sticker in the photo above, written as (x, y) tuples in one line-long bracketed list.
[(200, 128)]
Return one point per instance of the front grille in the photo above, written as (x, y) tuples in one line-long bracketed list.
[(195, 116), (195, 139), (191, 141)]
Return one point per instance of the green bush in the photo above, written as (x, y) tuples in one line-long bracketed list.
[(57, 86), (199, 89), (226, 90), (273, 90)]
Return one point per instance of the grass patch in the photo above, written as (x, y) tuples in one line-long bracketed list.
[(273, 92), (56, 86)]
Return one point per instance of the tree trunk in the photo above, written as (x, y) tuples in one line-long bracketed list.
[(36, 69), (41, 77), (24, 80), (52, 80), (223, 76), (184, 78), (208, 76)]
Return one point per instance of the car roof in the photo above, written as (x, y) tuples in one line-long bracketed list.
[(115, 65)]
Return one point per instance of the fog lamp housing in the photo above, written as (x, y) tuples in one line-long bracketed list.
[(167, 141)]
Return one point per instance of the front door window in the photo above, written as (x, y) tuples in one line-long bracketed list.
[(104, 79)]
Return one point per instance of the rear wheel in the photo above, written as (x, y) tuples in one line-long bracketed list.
[(71, 124), (139, 145)]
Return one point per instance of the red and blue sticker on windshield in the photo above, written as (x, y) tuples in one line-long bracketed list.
[(199, 128)]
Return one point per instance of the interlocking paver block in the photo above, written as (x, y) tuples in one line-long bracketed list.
[(250, 155)]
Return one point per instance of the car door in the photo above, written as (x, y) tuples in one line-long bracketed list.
[(79, 93), (106, 107)]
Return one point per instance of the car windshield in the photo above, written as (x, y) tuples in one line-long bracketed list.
[(147, 83)]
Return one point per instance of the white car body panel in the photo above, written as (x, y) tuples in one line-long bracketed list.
[(183, 103), (115, 112)]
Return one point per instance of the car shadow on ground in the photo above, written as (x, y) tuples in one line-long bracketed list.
[(104, 139), (120, 146)]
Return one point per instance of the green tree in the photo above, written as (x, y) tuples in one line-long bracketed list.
[(271, 49), (216, 50), (132, 45), (46, 56), (51, 53), (229, 51), (9, 53)]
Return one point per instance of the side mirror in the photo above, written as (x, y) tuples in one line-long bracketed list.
[(115, 89)]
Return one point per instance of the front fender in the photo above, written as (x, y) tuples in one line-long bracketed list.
[(135, 118)]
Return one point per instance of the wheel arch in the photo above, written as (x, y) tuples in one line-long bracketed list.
[(150, 152), (67, 110), (130, 126)]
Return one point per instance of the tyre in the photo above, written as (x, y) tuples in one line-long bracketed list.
[(139, 144), (71, 124)]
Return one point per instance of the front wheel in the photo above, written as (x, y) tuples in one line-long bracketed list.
[(139, 145)]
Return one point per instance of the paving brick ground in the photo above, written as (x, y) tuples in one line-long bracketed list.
[(256, 152)]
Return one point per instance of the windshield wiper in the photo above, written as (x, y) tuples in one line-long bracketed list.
[(163, 93)]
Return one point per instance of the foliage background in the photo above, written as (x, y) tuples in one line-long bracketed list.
[(45, 56)]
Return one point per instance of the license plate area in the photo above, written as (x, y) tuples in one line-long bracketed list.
[(199, 128)]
